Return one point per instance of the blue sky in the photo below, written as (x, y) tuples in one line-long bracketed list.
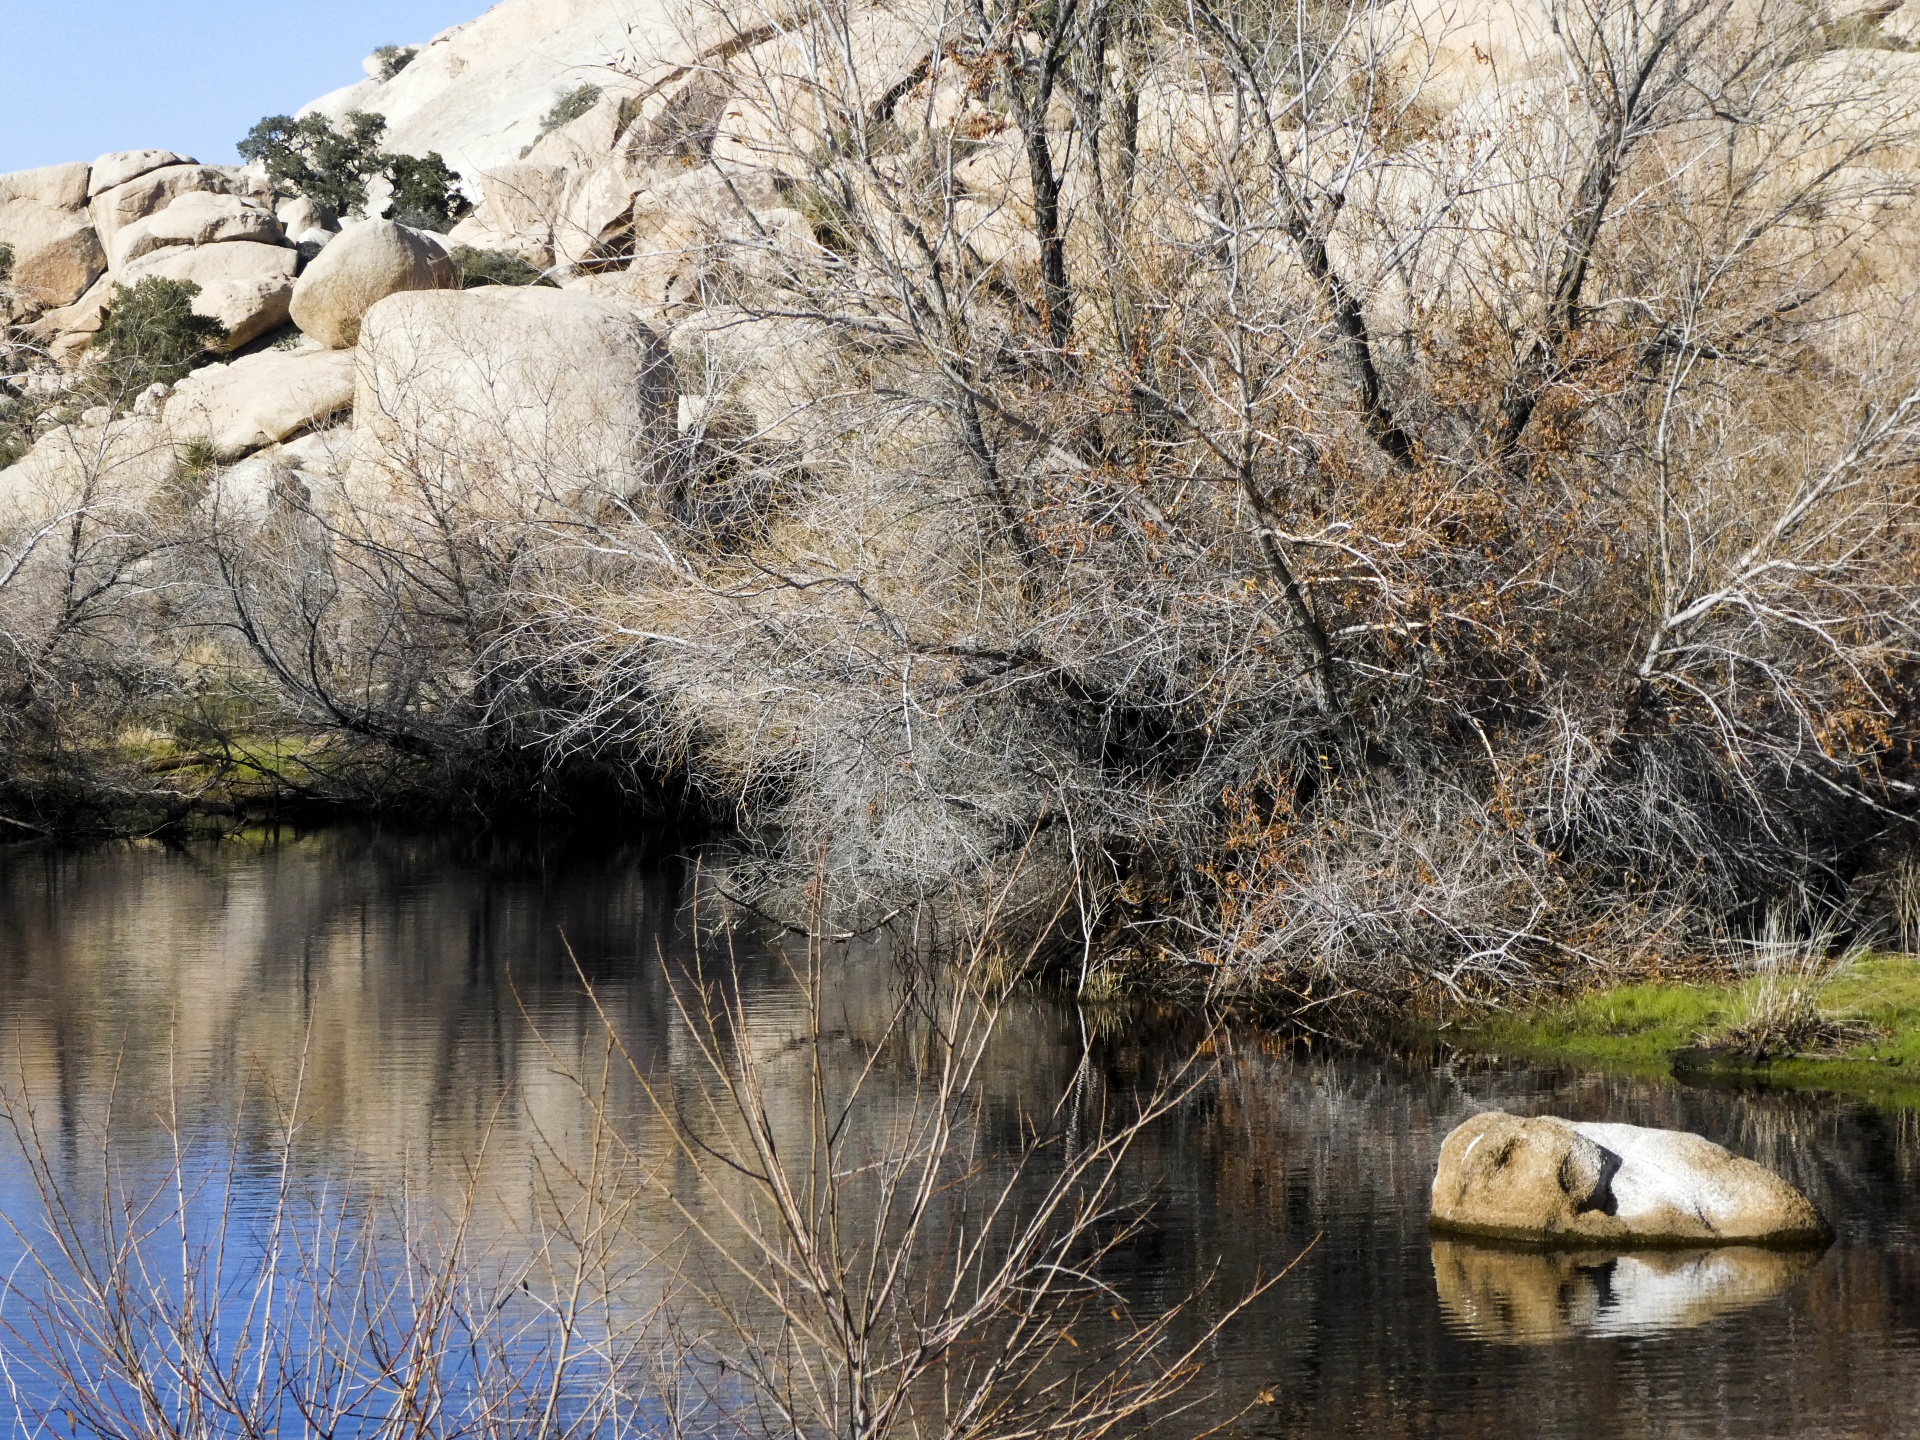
[(81, 77)]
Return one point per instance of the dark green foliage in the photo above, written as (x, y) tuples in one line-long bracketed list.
[(16, 428), (332, 167), (6, 262), (309, 157), (493, 267), (426, 192), (394, 58), (152, 335)]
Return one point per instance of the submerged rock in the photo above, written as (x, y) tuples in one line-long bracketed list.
[(1574, 1182)]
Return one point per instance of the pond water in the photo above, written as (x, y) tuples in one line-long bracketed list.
[(405, 985)]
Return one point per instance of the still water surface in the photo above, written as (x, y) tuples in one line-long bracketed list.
[(407, 984)]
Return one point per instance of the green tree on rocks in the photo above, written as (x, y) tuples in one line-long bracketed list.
[(309, 157), (331, 166), (426, 192)]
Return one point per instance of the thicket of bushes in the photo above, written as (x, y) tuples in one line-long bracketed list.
[(1295, 529)]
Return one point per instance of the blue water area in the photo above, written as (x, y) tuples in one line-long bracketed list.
[(351, 1058)]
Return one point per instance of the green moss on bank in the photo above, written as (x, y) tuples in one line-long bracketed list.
[(1641, 1029)]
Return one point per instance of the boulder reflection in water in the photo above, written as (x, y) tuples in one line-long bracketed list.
[(1516, 1296)]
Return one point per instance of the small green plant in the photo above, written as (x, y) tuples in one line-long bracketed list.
[(475, 268), (310, 157), (567, 109), (6, 262), (394, 58), (152, 335), (426, 192), (194, 464), (570, 107)]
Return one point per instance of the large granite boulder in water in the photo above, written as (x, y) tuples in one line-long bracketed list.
[(1575, 1182)]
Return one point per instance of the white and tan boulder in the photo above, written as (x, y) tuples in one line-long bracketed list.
[(1567, 1182), (363, 265), (515, 394), (57, 187), (43, 219), (297, 215), (116, 169), (259, 400), (244, 285), (118, 467)]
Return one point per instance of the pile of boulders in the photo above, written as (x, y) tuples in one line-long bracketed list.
[(77, 232), (606, 203), (575, 382)]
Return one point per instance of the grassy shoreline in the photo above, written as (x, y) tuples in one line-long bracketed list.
[(1667, 1030)]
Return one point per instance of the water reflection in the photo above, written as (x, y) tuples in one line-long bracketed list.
[(416, 981), (1515, 1296)]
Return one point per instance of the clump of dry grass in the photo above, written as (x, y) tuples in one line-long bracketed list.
[(1783, 1016)]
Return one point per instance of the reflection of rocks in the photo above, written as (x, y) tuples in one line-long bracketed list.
[(1550, 1179), (1537, 1297)]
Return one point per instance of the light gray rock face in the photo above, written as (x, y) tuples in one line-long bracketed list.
[(57, 187), (124, 165), (43, 217), (335, 105), (246, 286), (115, 209), (1549, 1179), (361, 266), (513, 395), (259, 400), (299, 215), (197, 218), (477, 93)]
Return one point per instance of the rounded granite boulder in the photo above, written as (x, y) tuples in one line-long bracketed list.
[(1567, 1182), (360, 267)]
